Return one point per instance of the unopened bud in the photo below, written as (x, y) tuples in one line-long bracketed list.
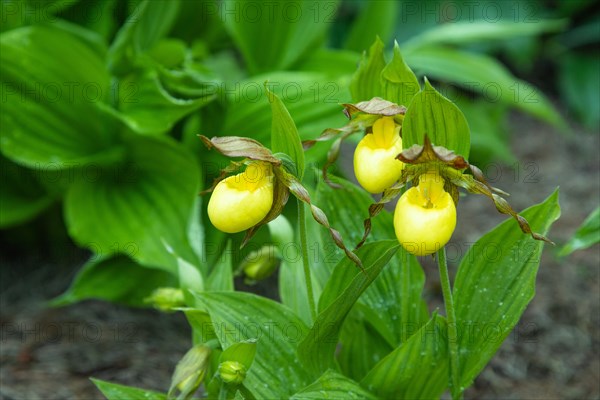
[(260, 264), (166, 298), (191, 370), (232, 372)]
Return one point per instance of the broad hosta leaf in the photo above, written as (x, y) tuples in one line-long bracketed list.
[(274, 35), (418, 369), (431, 113), (116, 279), (149, 107), (587, 234), (284, 134), (22, 196), (50, 80), (494, 284), (144, 205), (398, 82), (366, 81), (147, 24), (114, 391), (238, 316), (482, 74), (312, 98), (339, 296), (332, 385), (376, 18), (458, 33)]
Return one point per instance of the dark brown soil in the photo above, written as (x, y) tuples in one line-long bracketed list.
[(554, 353)]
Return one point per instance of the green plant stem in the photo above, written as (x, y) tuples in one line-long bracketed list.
[(223, 392), (304, 246), (452, 329)]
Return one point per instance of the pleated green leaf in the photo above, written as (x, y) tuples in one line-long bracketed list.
[(22, 196), (366, 81), (398, 82), (50, 80), (431, 113), (332, 385), (142, 207), (344, 288), (418, 369), (284, 134), (148, 106), (481, 73), (116, 279), (494, 284), (148, 22), (238, 316), (114, 391), (275, 35)]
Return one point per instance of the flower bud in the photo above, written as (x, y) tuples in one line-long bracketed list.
[(425, 216), (232, 372), (166, 298), (260, 264), (375, 164), (241, 201), (190, 371)]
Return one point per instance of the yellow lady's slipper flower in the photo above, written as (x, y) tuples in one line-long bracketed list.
[(241, 201), (375, 164), (425, 216)]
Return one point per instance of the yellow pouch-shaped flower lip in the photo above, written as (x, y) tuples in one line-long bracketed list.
[(241, 201), (425, 216), (375, 164)]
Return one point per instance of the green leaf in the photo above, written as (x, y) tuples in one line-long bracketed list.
[(242, 352), (394, 304), (332, 385), (398, 82), (149, 106), (418, 369), (275, 35), (344, 288), (221, 277), (587, 234), (140, 206), (292, 282), (483, 74), (459, 33), (312, 98), (50, 80), (332, 62), (147, 24), (238, 316), (116, 279), (361, 345), (494, 284), (284, 134), (366, 81), (22, 197), (375, 19), (580, 85), (114, 391), (431, 113)]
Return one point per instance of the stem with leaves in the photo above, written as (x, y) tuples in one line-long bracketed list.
[(304, 246), (455, 388)]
